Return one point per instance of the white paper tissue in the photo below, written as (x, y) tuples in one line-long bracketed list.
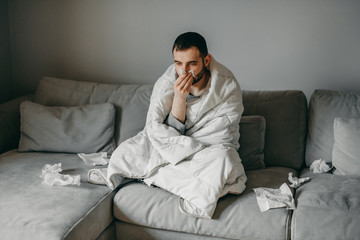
[(319, 166), (52, 177), (274, 198), (182, 71), (295, 181), (95, 159)]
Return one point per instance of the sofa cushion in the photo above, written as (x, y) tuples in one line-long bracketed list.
[(285, 113), (252, 142), (346, 152), (131, 101), (136, 232), (236, 216), (324, 107), (30, 210), (82, 129), (328, 207), (10, 123)]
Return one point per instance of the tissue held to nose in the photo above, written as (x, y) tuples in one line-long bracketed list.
[(182, 71)]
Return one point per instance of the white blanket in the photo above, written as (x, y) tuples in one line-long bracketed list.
[(200, 166)]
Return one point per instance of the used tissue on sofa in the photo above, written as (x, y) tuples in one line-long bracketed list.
[(274, 198), (320, 166), (95, 159), (52, 177), (295, 181)]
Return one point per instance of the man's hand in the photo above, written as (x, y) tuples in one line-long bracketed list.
[(182, 85), (181, 91)]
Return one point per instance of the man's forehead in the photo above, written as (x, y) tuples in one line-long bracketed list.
[(187, 55)]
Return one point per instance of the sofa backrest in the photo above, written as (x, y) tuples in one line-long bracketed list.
[(324, 107), (131, 101), (284, 113)]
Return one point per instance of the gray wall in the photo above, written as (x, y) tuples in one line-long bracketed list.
[(268, 44), (6, 87)]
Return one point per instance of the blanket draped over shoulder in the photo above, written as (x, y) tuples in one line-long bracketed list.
[(203, 164)]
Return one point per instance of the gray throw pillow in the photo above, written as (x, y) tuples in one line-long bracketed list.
[(130, 101), (285, 113), (252, 142), (346, 151), (79, 129), (324, 107)]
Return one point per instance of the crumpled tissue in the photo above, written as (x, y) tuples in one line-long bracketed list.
[(182, 71), (95, 159), (319, 166), (51, 176), (274, 198), (295, 181)]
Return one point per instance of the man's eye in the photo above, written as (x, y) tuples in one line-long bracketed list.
[(193, 64)]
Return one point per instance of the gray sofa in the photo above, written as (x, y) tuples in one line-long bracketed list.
[(279, 134)]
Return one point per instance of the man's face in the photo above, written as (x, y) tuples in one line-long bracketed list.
[(189, 59)]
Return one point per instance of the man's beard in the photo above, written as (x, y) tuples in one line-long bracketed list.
[(199, 76)]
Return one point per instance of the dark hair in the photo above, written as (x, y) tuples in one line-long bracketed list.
[(191, 39)]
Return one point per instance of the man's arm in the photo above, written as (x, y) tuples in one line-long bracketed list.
[(181, 91), (171, 121)]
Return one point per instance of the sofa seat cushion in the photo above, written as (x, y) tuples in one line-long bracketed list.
[(328, 207), (30, 210), (236, 216)]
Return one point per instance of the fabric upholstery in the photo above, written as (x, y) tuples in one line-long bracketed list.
[(328, 207), (252, 142), (234, 217), (30, 210), (131, 101), (82, 129), (285, 113), (324, 107), (10, 123), (346, 151), (128, 231)]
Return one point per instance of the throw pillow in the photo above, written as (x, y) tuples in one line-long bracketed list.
[(252, 142), (79, 129), (346, 151), (285, 113), (325, 106)]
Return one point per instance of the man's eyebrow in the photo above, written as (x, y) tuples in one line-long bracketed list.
[(194, 61)]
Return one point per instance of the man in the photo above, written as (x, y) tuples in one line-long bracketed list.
[(189, 144), (191, 61)]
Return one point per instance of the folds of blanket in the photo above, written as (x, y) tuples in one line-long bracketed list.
[(203, 164)]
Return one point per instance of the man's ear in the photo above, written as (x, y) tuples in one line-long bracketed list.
[(207, 60)]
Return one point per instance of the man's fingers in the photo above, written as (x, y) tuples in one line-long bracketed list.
[(179, 80), (188, 84), (184, 82)]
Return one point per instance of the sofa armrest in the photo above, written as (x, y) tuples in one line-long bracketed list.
[(10, 123)]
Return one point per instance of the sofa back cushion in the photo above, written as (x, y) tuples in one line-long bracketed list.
[(346, 151), (10, 117), (131, 101), (80, 129), (252, 142), (324, 107), (285, 113)]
